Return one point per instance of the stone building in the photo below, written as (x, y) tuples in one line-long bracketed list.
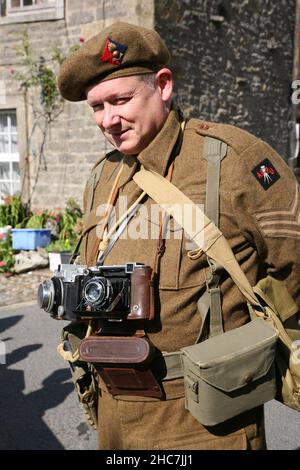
[(232, 61)]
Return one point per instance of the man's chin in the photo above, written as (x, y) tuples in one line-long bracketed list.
[(126, 148)]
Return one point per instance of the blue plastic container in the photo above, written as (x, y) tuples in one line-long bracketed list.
[(30, 238)]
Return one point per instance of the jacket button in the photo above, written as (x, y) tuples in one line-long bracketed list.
[(204, 126), (248, 378)]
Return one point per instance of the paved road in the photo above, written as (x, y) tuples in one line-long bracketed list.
[(38, 406)]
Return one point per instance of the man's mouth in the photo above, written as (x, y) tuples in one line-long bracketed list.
[(118, 134)]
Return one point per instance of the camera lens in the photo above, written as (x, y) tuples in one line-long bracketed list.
[(94, 292), (45, 296)]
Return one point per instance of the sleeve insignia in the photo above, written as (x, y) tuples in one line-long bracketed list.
[(266, 174), (279, 223)]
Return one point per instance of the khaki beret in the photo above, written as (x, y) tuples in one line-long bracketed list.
[(120, 50)]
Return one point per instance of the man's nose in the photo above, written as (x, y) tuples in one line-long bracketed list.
[(110, 117)]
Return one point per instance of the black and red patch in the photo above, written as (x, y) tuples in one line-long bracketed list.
[(113, 52), (266, 174)]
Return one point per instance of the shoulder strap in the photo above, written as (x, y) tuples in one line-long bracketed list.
[(214, 151), (92, 183), (209, 239)]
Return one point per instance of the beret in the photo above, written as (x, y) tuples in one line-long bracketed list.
[(119, 50)]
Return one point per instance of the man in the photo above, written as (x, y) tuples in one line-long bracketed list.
[(123, 74)]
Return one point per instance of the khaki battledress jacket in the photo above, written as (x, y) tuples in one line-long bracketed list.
[(259, 216)]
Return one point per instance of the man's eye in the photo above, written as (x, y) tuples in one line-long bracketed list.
[(122, 100), (97, 107)]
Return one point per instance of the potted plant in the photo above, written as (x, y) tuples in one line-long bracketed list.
[(60, 252), (69, 224), (33, 234)]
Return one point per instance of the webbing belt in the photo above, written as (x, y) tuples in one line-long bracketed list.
[(167, 366)]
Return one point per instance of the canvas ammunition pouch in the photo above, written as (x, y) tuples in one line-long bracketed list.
[(230, 373)]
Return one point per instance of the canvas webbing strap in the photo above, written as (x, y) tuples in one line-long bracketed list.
[(167, 366), (214, 151), (209, 239), (91, 185)]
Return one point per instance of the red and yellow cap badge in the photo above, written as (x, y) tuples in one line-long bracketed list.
[(113, 52)]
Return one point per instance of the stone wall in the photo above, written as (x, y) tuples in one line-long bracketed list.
[(233, 61), (73, 143)]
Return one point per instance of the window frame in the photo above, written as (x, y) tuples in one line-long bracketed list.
[(31, 13), (10, 157)]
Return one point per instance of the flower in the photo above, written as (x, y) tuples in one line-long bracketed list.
[(81, 39), (2, 264)]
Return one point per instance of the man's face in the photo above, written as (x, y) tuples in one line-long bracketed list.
[(128, 111)]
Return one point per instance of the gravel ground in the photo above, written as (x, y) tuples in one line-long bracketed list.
[(21, 288)]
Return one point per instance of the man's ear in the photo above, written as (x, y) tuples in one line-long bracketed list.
[(164, 80)]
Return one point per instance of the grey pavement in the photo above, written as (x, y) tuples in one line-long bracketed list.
[(22, 287), (38, 405)]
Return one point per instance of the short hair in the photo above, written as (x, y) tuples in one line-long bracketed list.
[(149, 79)]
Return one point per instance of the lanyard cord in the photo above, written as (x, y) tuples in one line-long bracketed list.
[(113, 195), (105, 245)]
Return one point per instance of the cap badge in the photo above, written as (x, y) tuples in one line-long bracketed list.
[(113, 52)]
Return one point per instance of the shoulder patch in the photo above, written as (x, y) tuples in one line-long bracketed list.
[(266, 174)]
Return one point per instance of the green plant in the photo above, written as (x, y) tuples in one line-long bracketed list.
[(58, 246), (69, 222), (37, 220), (13, 212), (37, 79), (7, 260), (36, 74)]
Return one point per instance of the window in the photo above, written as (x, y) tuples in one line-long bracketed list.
[(9, 156), (22, 11)]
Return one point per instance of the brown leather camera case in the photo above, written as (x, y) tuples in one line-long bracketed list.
[(122, 362)]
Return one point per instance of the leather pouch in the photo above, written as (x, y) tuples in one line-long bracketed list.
[(123, 364), (116, 350), (230, 373)]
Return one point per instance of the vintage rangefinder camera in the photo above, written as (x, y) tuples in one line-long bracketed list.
[(77, 292)]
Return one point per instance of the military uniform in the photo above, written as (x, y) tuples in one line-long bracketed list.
[(262, 227), (259, 216)]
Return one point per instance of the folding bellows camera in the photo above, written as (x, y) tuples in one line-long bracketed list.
[(77, 292)]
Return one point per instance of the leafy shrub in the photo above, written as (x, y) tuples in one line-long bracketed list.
[(7, 260), (13, 212)]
